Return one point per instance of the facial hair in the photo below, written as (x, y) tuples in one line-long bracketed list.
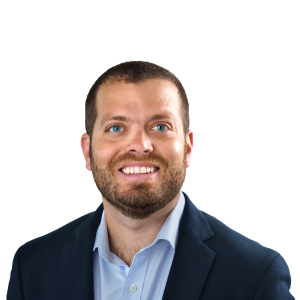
[(141, 199)]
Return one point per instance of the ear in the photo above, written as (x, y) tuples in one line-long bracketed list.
[(189, 147), (85, 146)]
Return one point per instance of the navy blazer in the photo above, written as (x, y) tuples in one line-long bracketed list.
[(211, 262)]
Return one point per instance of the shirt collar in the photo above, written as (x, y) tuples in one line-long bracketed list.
[(101, 241), (169, 231)]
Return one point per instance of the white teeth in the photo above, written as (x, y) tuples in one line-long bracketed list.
[(138, 170)]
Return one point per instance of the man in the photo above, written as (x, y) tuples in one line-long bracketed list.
[(147, 240)]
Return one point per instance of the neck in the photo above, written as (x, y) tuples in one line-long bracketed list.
[(128, 236)]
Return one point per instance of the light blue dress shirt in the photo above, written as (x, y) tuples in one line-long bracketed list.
[(147, 276)]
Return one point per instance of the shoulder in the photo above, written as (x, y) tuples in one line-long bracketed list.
[(247, 265), (224, 241), (248, 261), (235, 246), (53, 241)]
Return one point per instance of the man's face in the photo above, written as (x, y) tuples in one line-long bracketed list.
[(139, 153)]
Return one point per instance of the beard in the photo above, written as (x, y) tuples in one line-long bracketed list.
[(141, 199)]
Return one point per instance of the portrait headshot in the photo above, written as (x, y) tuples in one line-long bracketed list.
[(144, 162)]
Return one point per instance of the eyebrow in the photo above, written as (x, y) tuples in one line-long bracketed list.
[(126, 119), (162, 116), (117, 118)]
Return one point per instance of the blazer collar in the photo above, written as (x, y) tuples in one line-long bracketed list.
[(189, 270), (77, 260), (193, 259)]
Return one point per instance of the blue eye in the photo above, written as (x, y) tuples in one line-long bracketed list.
[(115, 128), (161, 127)]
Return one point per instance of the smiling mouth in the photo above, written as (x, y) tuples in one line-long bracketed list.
[(138, 170)]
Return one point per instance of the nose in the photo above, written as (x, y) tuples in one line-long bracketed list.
[(139, 143)]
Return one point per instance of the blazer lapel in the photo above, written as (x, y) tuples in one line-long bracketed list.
[(193, 259), (77, 261)]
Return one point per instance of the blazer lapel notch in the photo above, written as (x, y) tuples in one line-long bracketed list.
[(77, 261), (193, 259), (191, 265)]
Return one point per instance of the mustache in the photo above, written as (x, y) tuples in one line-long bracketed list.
[(129, 157)]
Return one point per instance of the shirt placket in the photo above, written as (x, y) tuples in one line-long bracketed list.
[(133, 287)]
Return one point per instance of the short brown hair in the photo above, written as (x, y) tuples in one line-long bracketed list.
[(133, 72)]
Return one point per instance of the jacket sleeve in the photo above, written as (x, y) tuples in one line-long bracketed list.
[(15, 289), (276, 282)]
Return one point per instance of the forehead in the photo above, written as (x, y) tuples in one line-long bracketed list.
[(150, 96)]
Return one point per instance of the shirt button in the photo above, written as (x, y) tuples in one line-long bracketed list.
[(133, 288)]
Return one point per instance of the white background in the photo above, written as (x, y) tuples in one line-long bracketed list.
[(239, 63)]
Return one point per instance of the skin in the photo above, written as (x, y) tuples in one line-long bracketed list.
[(139, 103)]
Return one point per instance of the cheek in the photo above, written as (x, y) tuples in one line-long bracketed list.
[(174, 151), (103, 153)]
